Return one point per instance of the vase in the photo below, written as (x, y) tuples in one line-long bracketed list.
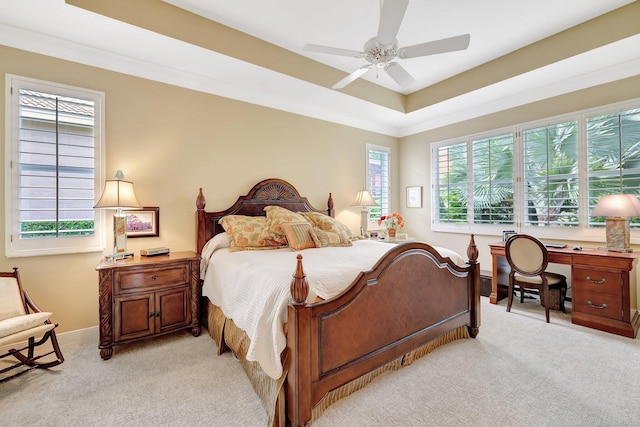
[(392, 233)]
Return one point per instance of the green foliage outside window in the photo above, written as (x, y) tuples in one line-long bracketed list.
[(37, 229), (551, 169)]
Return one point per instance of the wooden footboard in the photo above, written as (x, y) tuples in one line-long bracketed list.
[(412, 296)]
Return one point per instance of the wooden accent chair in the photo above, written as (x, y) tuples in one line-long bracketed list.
[(22, 322), (528, 259)]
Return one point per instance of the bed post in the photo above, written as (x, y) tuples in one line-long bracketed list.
[(202, 230), (330, 211), (474, 291), (298, 386)]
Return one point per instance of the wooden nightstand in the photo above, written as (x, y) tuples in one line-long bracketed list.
[(142, 297)]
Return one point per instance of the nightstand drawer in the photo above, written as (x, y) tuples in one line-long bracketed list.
[(597, 281), (598, 304), (134, 280)]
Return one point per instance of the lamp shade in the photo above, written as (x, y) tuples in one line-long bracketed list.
[(363, 198), (617, 205), (118, 194)]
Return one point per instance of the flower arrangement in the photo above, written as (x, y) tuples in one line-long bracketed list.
[(392, 221)]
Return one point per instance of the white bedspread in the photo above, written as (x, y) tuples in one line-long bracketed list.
[(252, 287)]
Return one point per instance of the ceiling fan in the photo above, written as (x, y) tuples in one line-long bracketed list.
[(381, 50)]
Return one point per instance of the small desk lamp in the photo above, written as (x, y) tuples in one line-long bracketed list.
[(118, 194), (617, 208), (364, 199)]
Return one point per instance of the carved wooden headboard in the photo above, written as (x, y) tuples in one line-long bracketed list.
[(269, 192)]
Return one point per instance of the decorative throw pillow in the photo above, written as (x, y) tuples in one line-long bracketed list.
[(244, 233), (331, 225), (300, 235), (329, 238), (276, 216)]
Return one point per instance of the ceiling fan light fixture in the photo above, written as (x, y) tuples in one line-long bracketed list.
[(376, 54)]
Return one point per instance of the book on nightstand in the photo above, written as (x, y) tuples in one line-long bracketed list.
[(154, 251)]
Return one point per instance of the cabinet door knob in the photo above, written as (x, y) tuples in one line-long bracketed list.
[(154, 278), (599, 282), (597, 306)]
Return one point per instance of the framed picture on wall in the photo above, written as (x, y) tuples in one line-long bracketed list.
[(414, 197), (143, 222)]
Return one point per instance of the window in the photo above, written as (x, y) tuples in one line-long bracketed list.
[(54, 143), (542, 178), (378, 180)]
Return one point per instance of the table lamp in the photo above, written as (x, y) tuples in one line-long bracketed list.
[(364, 199), (118, 194), (617, 208)]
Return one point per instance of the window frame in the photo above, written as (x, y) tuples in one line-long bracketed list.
[(14, 246), (583, 232)]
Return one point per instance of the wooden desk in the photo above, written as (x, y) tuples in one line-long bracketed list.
[(603, 287)]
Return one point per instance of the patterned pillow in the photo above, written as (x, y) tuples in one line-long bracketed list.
[(276, 216), (329, 224), (325, 239), (300, 235), (244, 233)]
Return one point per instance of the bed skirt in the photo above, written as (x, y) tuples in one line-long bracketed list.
[(271, 391)]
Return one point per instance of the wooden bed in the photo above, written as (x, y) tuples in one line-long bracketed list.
[(411, 302)]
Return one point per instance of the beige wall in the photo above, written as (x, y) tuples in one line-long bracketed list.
[(170, 141)]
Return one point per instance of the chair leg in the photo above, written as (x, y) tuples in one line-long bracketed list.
[(563, 297), (510, 296), (32, 347), (56, 349), (545, 295), (521, 294)]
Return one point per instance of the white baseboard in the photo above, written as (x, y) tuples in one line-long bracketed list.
[(86, 335)]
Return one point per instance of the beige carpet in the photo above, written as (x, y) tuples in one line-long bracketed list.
[(520, 371)]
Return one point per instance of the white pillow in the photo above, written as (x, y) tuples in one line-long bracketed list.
[(22, 323), (220, 240)]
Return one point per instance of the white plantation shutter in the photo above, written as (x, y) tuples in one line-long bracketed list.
[(55, 174), (450, 165), (492, 165), (613, 155), (543, 178), (378, 170), (551, 179)]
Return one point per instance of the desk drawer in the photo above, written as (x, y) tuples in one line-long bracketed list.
[(134, 280), (596, 281), (597, 304)]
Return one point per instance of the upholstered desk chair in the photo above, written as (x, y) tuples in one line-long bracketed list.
[(528, 259), (22, 322)]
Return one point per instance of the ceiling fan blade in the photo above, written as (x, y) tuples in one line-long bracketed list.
[(333, 50), (351, 77), (437, 46), (391, 17), (399, 74)]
